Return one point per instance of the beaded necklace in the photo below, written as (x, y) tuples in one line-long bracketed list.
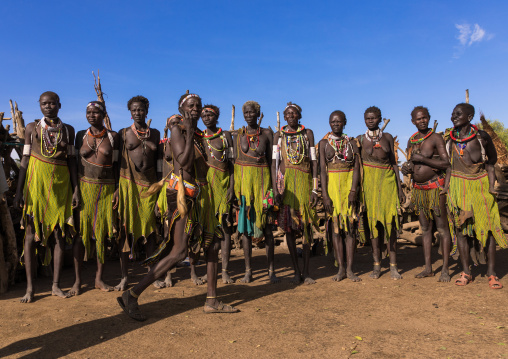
[(142, 136), (374, 137), (222, 151), (101, 135), (340, 146), (415, 141), (252, 138), (295, 155), (49, 139), (198, 143), (461, 143)]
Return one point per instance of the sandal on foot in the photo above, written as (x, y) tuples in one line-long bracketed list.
[(134, 313), (494, 282), (464, 279), (220, 308)]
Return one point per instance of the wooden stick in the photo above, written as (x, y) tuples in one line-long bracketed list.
[(385, 122), (148, 122), (232, 127), (100, 97), (278, 121), (467, 96), (435, 126), (13, 116), (260, 119), (20, 122)]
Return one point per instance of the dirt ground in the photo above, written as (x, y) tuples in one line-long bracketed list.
[(410, 318)]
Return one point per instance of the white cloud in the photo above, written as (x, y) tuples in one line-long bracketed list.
[(469, 35), (478, 34)]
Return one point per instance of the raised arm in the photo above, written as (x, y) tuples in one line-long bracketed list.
[(327, 202), (18, 201), (73, 167), (314, 169)]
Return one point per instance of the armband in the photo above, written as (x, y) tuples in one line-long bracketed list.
[(115, 155), (71, 150), (159, 165), (314, 184), (275, 151), (26, 150), (313, 153), (231, 153)]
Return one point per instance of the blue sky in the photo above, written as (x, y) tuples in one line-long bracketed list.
[(323, 56)]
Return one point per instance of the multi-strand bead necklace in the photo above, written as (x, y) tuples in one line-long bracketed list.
[(142, 136), (51, 137), (294, 155), (461, 143), (222, 151), (101, 135), (340, 145)]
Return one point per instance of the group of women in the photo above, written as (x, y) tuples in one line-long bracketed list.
[(189, 181)]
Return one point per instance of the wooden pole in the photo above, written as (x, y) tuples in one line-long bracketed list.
[(232, 127), (467, 96), (13, 116), (260, 119), (100, 97), (386, 121), (278, 121)]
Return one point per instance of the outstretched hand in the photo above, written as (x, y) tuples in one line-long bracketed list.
[(328, 204), (76, 199), (313, 199), (115, 199)]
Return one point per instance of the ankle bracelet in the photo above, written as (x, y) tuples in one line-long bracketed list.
[(211, 297), (393, 264), (377, 263), (133, 294)]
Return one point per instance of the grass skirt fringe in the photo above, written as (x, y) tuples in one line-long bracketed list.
[(380, 198), (136, 213), (296, 203), (426, 201), (339, 186), (253, 182), (48, 199), (473, 209), (96, 216)]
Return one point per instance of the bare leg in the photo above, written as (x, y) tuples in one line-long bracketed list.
[(491, 252), (226, 254), (29, 257), (270, 254), (350, 252), (463, 247), (58, 263), (394, 272), (426, 227), (338, 250), (150, 247), (446, 239), (291, 241), (376, 255), (193, 260), (78, 250), (124, 263), (247, 252), (306, 259), (212, 258)]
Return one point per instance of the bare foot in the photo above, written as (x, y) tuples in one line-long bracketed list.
[(444, 277), (352, 276), (226, 279), (308, 280), (99, 284), (247, 278), (28, 298), (74, 291), (340, 275), (56, 291), (394, 273), (168, 281), (376, 272), (297, 279), (273, 278), (122, 285), (426, 273), (197, 280), (159, 284)]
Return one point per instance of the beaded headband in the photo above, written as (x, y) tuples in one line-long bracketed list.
[(188, 97), (296, 107), (98, 105), (209, 109)]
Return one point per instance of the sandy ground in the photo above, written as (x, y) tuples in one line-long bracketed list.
[(410, 318)]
